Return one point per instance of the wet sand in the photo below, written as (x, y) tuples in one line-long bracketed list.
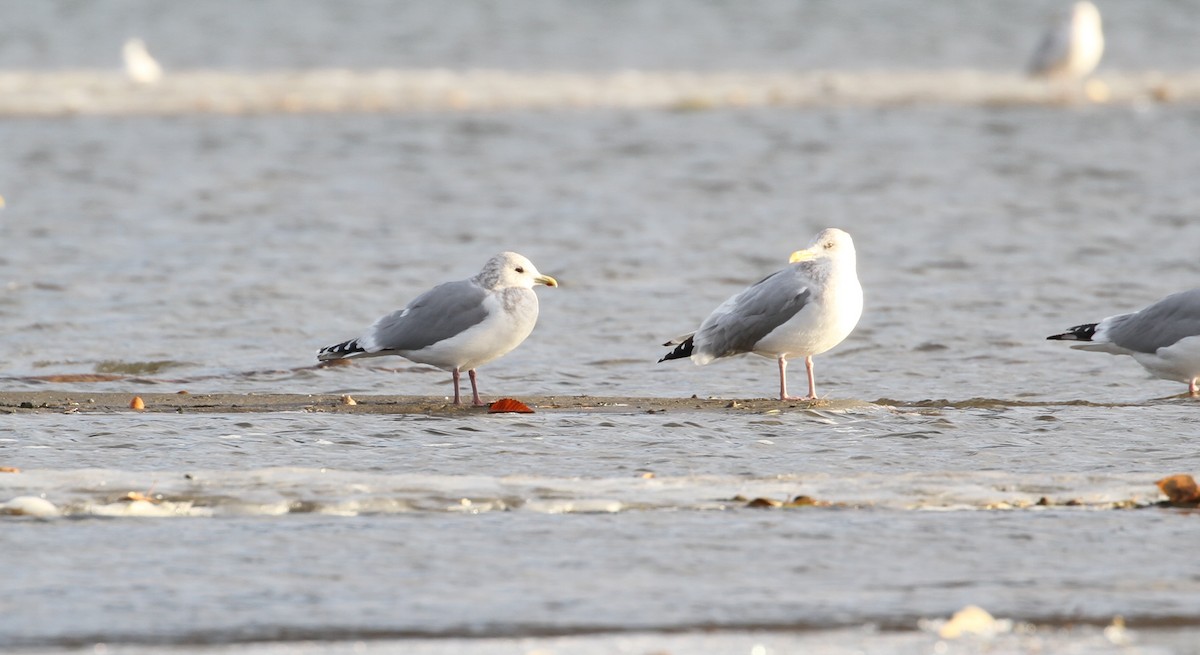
[(29, 93), (259, 403), (107, 402)]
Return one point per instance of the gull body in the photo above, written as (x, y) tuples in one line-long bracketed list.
[(457, 326), (1164, 337), (1071, 47), (139, 65), (802, 310)]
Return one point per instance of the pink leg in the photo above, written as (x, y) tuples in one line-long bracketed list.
[(783, 378), (812, 381), (457, 401), (474, 388), (812, 386), (1193, 390)]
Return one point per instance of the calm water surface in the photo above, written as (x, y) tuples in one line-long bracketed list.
[(541, 34), (216, 253)]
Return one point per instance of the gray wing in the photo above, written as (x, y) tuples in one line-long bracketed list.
[(1051, 53), (440, 313), (742, 321), (1160, 325)]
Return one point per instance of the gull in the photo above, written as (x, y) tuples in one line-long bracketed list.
[(457, 326), (139, 65), (1071, 47), (1164, 337), (802, 310)]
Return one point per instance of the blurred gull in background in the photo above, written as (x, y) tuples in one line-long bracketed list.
[(1071, 47), (139, 65)]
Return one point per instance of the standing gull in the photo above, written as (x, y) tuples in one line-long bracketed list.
[(1164, 337), (799, 311), (1071, 47), (458, 326), (139, 65)]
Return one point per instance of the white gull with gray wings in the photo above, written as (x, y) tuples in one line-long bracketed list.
[(458, 326), (1164, 337), (799, 311)]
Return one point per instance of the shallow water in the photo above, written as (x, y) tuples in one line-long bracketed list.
[(231, 249), (512, 526), (542, 34), (331, 527), (216, 254)]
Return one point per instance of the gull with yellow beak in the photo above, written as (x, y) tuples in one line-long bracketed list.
[(458, 326), (802, 310)]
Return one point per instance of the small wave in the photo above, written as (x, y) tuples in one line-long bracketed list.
[(278, 492)]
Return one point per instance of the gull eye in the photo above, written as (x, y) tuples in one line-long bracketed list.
[(520, 269), (829, 245)]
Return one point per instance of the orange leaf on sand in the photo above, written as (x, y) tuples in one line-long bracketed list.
[(137, 403), (1181, 490), (512, 405)]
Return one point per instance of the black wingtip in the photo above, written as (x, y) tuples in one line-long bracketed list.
[(681, 351), (1078, 333), (339, 351)]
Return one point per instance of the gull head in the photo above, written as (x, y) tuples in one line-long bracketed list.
[(1085, 15), (508, 269), (831, 243), (134, 47)]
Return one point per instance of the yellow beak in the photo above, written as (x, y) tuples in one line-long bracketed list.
[(546, 280), (801, 255)]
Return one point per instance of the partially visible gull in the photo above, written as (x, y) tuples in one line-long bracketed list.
[(458, 326), (139, 65), (1164, 337), (799, 311), (1071, 47)]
